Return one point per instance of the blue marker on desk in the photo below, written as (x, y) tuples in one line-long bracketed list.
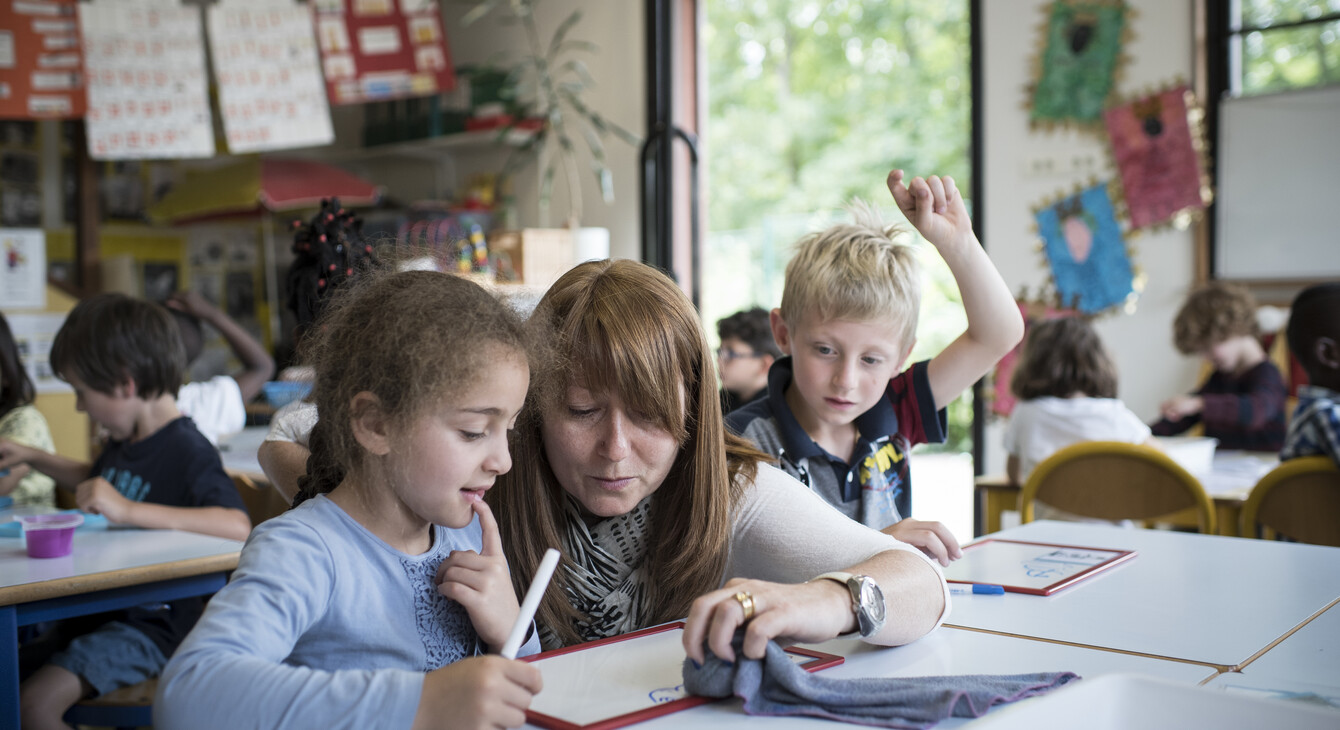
[(978, 588)]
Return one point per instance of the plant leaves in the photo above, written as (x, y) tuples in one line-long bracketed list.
[(477, 12), (562, 31)]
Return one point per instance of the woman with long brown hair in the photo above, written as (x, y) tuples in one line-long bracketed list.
[(621, 460)]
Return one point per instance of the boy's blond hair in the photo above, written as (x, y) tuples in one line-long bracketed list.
[(1214, 313), (858, 271)]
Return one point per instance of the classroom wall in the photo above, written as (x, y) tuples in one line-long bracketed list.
[(619, 69), (1161, 49)]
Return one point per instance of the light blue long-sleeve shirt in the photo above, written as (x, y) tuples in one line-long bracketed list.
[(322, 625)]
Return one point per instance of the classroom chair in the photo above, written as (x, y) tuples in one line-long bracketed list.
[(262, 500), (128, 707), (1112, 480), (1299, 499)]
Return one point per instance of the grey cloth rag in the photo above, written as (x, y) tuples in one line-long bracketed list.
[(776, 685)]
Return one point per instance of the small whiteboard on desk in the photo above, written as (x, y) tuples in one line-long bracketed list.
[(624, 679), (1031, 567)]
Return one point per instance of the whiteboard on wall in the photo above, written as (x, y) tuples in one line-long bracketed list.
[(1278, 209)]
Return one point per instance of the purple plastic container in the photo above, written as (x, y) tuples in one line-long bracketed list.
[(50, 536)]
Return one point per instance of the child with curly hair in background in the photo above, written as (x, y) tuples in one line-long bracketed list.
[(1242, 402)]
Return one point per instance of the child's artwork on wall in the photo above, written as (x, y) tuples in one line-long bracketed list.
[(1086, 251), (1078, 62), (1158, 145), (1002, 398)]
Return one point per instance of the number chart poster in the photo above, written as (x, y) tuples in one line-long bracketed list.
[(41, 67), (382, 49), (271, 93), (148, 92)]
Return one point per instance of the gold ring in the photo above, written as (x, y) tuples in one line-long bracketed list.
[(746, 601)]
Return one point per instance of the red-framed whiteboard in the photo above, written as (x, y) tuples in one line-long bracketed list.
[(1036, 568), (625, 679)]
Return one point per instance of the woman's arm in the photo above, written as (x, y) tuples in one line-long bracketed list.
[(784, 535)]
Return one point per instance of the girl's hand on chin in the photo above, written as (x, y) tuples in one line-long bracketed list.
[(480, 582)]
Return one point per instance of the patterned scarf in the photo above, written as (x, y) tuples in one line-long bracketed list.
[(607, 584)]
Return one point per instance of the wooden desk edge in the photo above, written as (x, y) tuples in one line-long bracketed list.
[(94, 582)]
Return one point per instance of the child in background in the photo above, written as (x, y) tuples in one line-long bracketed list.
[(1242, 403), (841, 414), (328, 252), (124, 359), (218, 405), (1314, 337), (369, 603), (747, 351), (1066, 384), (21, 423)]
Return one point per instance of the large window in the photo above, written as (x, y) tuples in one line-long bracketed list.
[(810, 103), (1276, 45)]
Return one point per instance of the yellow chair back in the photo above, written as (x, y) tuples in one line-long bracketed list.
[(1299, 498), (1113, 480)]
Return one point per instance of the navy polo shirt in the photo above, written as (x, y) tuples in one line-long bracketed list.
[(875, 488)]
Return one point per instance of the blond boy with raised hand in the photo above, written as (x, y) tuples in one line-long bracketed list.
[(841, 413)]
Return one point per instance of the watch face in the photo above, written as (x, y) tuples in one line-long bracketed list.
[(872, 599)]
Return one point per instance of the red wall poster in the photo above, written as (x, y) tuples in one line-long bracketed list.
[(41, 70), (382, 49)]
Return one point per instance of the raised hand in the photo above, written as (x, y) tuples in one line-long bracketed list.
[(192, 303), (934, 206), (479, 692), (480, 582)]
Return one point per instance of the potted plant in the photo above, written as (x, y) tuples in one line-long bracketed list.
[(548, 81)]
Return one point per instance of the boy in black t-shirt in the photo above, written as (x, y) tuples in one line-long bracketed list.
[(125, 359)]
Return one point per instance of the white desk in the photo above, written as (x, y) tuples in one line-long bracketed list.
[(1307, 661), (1202, 598), (238, 452), (107, 570), (1236, 472), (946, 651)]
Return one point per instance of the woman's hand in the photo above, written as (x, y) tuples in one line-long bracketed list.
[(932, 538), (479, 692), (480, 582), (805, 612)]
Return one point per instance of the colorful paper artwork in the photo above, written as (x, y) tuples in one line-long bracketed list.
[(1085, 248), (1078, 63), (1157, 145)]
